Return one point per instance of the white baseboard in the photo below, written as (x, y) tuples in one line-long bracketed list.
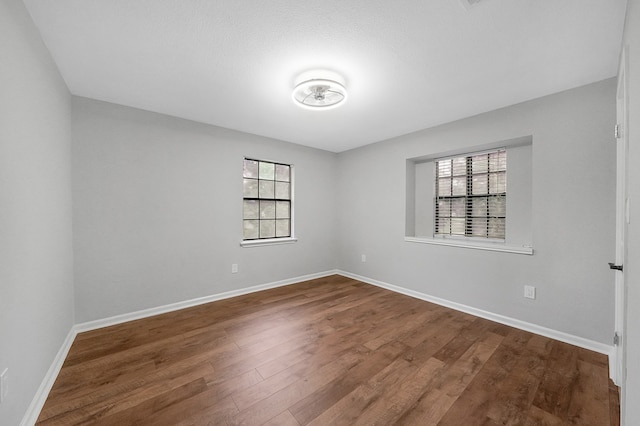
[(145, 313), (591, 345), (40, 398)]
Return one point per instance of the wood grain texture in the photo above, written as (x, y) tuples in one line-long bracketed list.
[(330, 351)]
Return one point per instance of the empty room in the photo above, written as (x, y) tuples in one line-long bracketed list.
[(220, 212)]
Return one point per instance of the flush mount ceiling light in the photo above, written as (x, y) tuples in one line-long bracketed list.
[(320, 91)]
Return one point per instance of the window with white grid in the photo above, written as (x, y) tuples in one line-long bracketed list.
[(266, 200)]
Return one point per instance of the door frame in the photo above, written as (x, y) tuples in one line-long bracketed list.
[(618, 374)]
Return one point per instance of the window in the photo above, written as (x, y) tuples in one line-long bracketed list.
[(471, 195), (266, 200), (466, 188)]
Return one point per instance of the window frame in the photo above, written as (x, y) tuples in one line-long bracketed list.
[(468, 196), (264, 241)]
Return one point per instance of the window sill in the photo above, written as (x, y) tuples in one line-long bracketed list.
[(268, 242), (471, 245)]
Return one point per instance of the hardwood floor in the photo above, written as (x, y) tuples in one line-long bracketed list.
[(331, 351)]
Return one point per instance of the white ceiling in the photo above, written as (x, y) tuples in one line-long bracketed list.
[(408, 64)]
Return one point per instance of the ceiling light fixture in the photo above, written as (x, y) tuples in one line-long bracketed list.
[(319, 93)]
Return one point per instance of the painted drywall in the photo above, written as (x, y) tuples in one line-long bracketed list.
[(36, 273), (631, 44), (572, 215), (157, 205)]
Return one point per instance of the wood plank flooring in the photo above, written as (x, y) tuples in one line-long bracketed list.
[(331, 351)]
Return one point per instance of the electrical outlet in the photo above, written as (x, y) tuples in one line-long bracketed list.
[(234, 268), (529, 292), (4, 384), (364, 258)]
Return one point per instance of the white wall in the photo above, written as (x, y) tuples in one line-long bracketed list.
[(632, 266), (573, 215), (36, 274), (157, 205)]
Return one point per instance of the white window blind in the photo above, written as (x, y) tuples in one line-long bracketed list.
[(471, 195)]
